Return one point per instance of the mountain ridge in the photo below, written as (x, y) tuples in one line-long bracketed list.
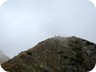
[(57, 54)]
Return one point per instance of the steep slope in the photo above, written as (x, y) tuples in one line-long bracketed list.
[(57, 54)]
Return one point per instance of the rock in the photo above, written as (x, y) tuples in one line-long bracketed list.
[(57, 54)]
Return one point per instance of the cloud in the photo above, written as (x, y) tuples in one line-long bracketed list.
[(2, 2), (25, 23), (93, 1)]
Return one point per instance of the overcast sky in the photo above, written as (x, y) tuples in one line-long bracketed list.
[(24, 23)]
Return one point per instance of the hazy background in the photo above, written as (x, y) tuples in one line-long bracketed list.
[(24, 23)]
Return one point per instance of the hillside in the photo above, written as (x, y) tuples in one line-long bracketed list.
[(57, 54)]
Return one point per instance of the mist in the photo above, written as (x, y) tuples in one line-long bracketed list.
[(25, 23)]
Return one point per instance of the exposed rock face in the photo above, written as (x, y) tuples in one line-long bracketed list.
[(57, 54)]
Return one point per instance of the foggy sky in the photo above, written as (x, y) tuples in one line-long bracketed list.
[(24, 23)]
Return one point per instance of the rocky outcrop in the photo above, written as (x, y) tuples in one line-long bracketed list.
[(57, 54)]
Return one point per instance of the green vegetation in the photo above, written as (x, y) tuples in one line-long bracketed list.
[(29, 53)]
